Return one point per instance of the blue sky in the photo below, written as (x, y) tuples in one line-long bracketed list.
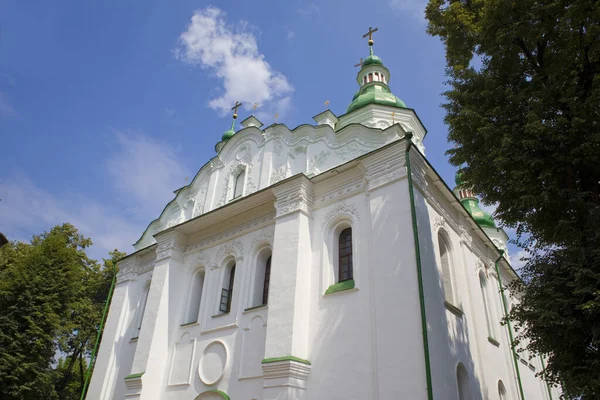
[(107, 106)]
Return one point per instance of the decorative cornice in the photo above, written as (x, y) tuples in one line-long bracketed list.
[(294, 196), (265, 236), (234, 248), (348, 190), (230, 234), (341, 208), (286, 371)]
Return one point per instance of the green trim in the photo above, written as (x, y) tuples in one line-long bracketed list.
[(544, 375), (189, 323), (220, 393), (133, 376), (255, 307), (99, 335), (453, 309), (413, 213), (285, 358), (509, 327), (493, 341), (340, 286)]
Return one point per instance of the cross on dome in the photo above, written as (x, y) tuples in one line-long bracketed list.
[(235, 108)]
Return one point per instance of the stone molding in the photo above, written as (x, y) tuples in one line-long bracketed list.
[(384, 168), (351, 188), (230, 234), (234, 248), (169, 246), (296, 195), (285, 373), (341, 208)]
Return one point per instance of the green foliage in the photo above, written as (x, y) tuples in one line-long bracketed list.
[(51, 297), (523, 113)]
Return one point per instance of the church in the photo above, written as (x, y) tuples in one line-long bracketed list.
[(328, 261)]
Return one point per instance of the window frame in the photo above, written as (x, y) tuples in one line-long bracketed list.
[(443, 239), (227, 293), (188, 316), (348, 273)]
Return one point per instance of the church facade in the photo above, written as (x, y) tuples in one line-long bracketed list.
[(330, 261)]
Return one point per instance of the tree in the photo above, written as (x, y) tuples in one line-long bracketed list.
[(51, 297), (523, 113)]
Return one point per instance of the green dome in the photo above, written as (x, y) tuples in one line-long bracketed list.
[(375, 94), (458, 178), (227, 135), (482, 218), (372, 60)]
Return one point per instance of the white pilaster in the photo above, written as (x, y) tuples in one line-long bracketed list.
[(149, 363), (286, 366)]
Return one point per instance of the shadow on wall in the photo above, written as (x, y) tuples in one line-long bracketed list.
[(452, 363), (384, 314)]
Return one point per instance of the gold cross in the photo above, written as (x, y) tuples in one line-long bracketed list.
[(255, 106), (393, 114), (235, 108), (186, 178), (370, 35), (359, 64), (327, 104), (276, 116)]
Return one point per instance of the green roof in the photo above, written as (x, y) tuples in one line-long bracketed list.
[(372, 60), (375, 93), (483, 219), (229, 133)]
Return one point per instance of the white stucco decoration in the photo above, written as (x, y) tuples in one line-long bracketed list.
[(213, 362)]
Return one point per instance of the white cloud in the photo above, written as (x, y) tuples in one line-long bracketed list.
[(27, 209), (231, 53), (413, 8), (515, 260), (6, 110), (145, 172), (309, 9)]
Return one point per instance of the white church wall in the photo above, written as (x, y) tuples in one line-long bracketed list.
[(365, 342)]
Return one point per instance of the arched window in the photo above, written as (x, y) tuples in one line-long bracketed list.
[(462, 380), (193, 308), (238, 183), (501, 391), (364, 79), (345, 255), (260, 294), (446, 268), (489, 315), (370, 77), (141, 308), (227, 291), (265, 296)]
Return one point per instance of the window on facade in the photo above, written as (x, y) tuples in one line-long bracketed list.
[(489, 315), (265, 292), (501, 391), (141, 309), (195, 298), (364, 79), (383, 78), (462, 379), (238, 183), (446, 268), (345, 255), (227, 291), (370, 77)]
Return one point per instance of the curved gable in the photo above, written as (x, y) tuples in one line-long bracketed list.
[(264, 158)]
